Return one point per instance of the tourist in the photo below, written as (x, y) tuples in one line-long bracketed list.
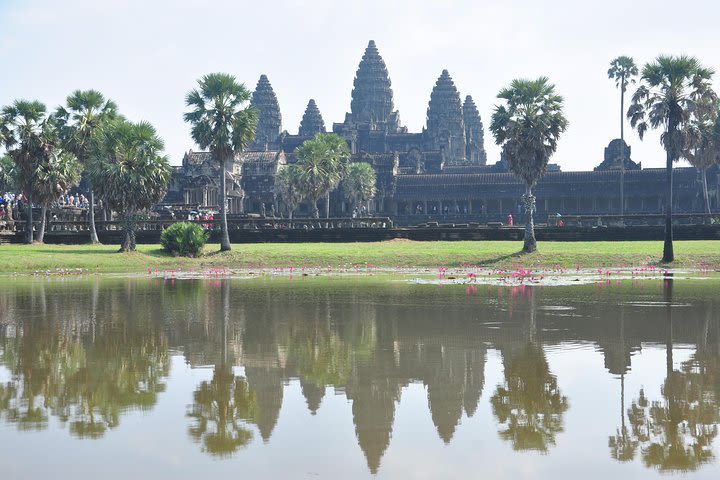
[(510, 220)]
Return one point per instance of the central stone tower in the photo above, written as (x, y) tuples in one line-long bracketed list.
[(372, 97)]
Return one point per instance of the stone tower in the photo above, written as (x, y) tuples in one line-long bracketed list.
[(445, 126), (312, 122), (372, 98), (474, 135), (269, 118)]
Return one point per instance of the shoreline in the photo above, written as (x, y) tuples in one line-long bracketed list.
[(398, 257)]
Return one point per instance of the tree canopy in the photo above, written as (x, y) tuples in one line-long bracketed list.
[(129, 171), (322, 162)]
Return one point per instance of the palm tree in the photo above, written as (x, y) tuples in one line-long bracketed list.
[(27, 136), (129, 171), (80, 123), (55, 175), (673, 93), (323, 163), (703, 149), (622, 70), (287, 187), (223, 122), (528, 127), (359, 185)]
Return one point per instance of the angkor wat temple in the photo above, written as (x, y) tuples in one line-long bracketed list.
[(440, 173)]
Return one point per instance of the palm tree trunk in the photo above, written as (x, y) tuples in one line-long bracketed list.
[(622, 146), (316, 210), (43, 220), (668, 254), (129, 243), (530, 244), (327, 205), (91, 214), (29, 219), (224, 236), (705, 190)]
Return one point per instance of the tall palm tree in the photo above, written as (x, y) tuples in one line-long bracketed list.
[(673, 93), (222, 121), (323, 162), (28, 136), (80, 123), (129, 171), (359, 184), (528, 127), (622, 70), (703, 149)]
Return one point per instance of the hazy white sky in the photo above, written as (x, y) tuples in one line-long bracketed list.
[(147, 54)]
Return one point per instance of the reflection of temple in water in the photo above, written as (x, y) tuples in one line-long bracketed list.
[(366, 343)]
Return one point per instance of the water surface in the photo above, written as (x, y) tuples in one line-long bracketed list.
[(337, 377)]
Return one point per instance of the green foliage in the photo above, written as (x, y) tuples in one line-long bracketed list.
[(622, 70), (8, 180), (184, 239), (55, 176), (129, 172), (80, 123), (287, 187), (222, 122), (528, 126), (673, 92), (322, 162), (359, 184)]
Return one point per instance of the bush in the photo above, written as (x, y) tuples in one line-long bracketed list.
[(184, 239)]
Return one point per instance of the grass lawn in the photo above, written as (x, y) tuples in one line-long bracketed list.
[(389, 254)]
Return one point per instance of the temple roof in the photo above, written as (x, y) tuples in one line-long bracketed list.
[(372, 98), (312, 121), (269, 117)]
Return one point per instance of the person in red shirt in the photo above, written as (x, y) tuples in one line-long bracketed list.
[(510, 220)]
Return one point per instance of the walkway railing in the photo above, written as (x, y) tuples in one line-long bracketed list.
[(233, 224)]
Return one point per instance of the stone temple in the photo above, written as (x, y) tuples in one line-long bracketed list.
[(440, 173)]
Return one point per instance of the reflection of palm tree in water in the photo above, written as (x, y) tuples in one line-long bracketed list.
[(676, 434), (622, 444), (529, 405), (222, 405)]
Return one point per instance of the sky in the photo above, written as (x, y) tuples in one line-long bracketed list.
[(146, 55)]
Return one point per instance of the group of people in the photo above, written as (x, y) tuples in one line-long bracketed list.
[(10, 205), (77, 200)]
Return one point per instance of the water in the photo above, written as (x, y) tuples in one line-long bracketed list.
[(333, 377)]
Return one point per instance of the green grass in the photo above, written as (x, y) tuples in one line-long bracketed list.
[(397, 253)]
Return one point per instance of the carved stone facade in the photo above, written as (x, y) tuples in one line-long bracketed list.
[(438, 174)]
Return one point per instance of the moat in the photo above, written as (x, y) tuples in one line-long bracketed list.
[(350, 377)]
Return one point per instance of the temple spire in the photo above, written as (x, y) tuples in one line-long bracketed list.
[(445, 126), (312, 122), (269, 119), (372, 98), (474, 135)]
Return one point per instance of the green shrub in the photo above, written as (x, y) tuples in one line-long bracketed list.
[(184, 239)]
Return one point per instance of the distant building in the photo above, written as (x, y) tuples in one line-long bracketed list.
[(440, 173)]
